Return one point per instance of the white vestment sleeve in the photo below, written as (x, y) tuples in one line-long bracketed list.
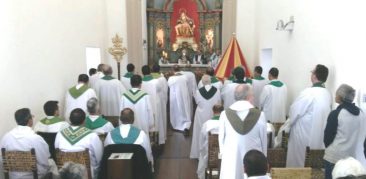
[(96, 149), (222, 132), (151, 115), (263, 134), (108, 140), (263, 97), (299, 108)]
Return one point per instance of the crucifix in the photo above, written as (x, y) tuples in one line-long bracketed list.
[(117, 51)]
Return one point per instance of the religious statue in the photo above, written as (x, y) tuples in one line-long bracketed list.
[(184, 59), (185, 25)]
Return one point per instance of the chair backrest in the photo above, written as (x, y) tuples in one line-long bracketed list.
[(277, 157), (285, 137), (19, 161), (81, 157), (213, 151), (154, 138), (291, 173), (277, 127), (113, 119), (314, 158), (50, 140), (269, 140)]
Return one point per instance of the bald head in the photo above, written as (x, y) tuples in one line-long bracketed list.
[(206, 80), (127, 116), (243, 92), (107, 70)]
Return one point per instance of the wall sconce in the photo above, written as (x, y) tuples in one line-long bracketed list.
[(144, 43), (289, 26)]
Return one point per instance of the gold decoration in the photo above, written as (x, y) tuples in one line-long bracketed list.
[(117, 50)]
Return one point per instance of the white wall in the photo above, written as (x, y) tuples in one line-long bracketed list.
[(330, 32)]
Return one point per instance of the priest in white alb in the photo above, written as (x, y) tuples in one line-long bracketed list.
[(153, 87), (242, 128), (127, 77), (227, 93), (192, 87), (274, 98), (52, 123), (94, 78), (206, 97), (258, 83), (126, 133), (214, 80), (307, 118), (77, 138), (139, 102), (96, 122), (210, 126), (180, 113), (109, 91), (77, 96)]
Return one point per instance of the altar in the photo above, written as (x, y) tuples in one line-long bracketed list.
[(164, 68)]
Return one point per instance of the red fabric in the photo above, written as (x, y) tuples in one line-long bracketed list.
[(243, 62), (191, 9)]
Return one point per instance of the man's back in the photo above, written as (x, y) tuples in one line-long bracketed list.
[(227, 94), (76, 97), (273, 102), (258, 85), (51, 124)]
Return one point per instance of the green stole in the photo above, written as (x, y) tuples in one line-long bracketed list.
[(208, 94), (155, 75), (147, 78), (134, 97), (259, 78), (107, 77), (128, 75), (243, 127), (276, 83), (74, 136), (215, 117), (231, 78), (130, 139), (53, 120), (99, 122), (75, 93), (247, 80), (214, 79), (319, 84)]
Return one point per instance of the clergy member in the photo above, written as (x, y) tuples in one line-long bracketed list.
[(126, 133), (23, 138), (242, 128), (78, 138), (96, 122), (139, 102), (109, 91), (52, 123), (307, 118), (345, 130), (94, 78), (214, 80), (153, 87), (180, 113), (227, 92), (206, 97), (192, 87), (274, 98), (77, 96), (255, 165), (258, 83), (126, 78), (210, 126)]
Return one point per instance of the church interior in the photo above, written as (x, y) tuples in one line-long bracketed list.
[(45, 45)]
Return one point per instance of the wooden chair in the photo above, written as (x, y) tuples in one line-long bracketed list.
[(19, 161), (269, 140), (76, 157), (314, 159), (277, 157), (102, 136), (50, 140), (113, 119), (291, 173), (285, 137), (277, 127), (213, 163)]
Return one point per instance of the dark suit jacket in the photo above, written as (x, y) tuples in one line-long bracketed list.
[(203, 59)]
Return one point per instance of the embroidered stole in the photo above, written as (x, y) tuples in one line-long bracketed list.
[(128, 75), (214, 79), (107, 78), (320, 84), (75, 93), (276, 83), (243, 127), (99, 122), (147, 78), (259, 78), (134, 97), (74, 136), (53, 120), (130, 139), (156, 75), (208, 94), (215, 117)]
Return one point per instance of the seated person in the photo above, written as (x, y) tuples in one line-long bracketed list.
[(128, 134), (96, 122), (255, 165), (348, 168), (78, 138), (52, 123), (212, 126), (23, 138)]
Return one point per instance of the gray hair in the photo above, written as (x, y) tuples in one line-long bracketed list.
[(206, 80), (71, 170), (348, 167), (242, 92), (346, 93), (92, 105)]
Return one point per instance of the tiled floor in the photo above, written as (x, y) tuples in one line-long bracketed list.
[(174, 162)]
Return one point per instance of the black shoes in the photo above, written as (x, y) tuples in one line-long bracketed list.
[(186, 132)]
